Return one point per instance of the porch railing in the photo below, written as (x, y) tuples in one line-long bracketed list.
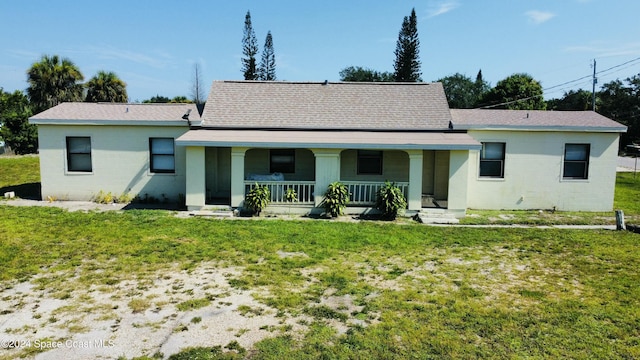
[(365, 192), (304, 190)]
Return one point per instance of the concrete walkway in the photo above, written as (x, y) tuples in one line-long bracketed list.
[(627, 164), (91, 206)]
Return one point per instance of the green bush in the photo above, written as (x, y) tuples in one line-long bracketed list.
[(257, 199), (390, 200), (335, 199), (108, 198), (290, 195)]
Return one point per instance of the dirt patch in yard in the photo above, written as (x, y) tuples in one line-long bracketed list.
[(162, 313)]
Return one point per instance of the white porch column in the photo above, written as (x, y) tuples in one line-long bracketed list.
[(327, 170), (195, 178), (458, 180), (237, 175), (414, 196)]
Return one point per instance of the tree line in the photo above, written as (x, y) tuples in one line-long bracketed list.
[(53, 80)]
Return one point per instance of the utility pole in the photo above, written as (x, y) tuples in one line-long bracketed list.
[(593, 91)]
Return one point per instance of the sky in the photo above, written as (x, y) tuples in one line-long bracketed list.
[(154, 45)]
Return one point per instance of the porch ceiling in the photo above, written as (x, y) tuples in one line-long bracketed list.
[(329, 139)]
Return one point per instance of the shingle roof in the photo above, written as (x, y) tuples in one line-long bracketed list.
[(76, 112), (342, 105), (467, 119)]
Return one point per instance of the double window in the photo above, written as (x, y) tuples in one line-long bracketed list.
[(492, 160), (162, 155), (79, 154), (576, 161), (369, 162), (282, 161)]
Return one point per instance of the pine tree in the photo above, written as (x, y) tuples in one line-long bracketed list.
[(268, 61), (407, 64), (249, 50), (480, 88)]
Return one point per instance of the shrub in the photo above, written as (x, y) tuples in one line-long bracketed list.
[(257, 199), (390, 200), (290, 195), (124, 198), (103, 198), (109, 198), (335, 199)]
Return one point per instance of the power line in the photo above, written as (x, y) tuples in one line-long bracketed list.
[(560, 85), (619, 65)]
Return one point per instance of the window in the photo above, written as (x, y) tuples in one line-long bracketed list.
[(492, 160), (79, 153), (283, 161), (576, 161), (162, 155), (369, 162)]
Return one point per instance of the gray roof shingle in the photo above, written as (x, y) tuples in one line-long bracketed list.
[(118, 112), (341, 105), (467, 119)]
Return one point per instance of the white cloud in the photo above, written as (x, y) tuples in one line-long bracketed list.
[(442, 7), (606, 49), (25, 54), (538, 17), (159, 60)]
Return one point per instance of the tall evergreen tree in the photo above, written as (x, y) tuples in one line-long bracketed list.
[(407, 64), (268, 61), (480, 88), (249, 50), (53, 80)]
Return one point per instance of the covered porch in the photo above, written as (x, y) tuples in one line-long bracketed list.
[(223, 165)]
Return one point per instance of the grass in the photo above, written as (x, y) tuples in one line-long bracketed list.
[(20, 174), (428, 292), (193, 304), (421, 292)]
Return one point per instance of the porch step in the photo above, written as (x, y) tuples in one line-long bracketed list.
[(436, 217)]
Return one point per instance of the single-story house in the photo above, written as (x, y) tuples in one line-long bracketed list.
[(306, 135)]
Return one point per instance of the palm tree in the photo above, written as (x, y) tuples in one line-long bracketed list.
[(106, 87), (53, 80)]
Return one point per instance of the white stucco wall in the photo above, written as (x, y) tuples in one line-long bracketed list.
[(120, 161), (533, 172)]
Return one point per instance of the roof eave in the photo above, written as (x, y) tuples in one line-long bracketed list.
[(599, 129), (109, 122), (361, 146)]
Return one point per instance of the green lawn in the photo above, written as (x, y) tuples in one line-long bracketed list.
[(423, 292), (20, 174)]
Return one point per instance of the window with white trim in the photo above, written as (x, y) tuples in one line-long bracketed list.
[(576, 161), (492, 158), (162, 155), (79, 154)]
